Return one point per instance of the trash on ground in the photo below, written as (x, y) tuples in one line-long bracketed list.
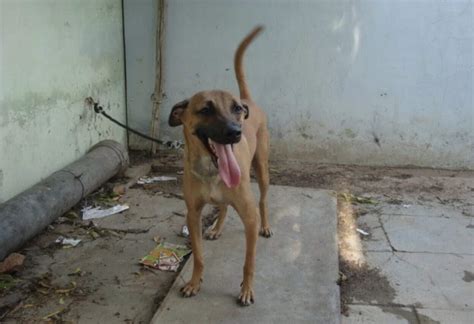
[(66, 290), (67, 241), (54, 315), (72, 215), (105, 198), (7, 281), (12, 263), (98, 212), (166, 256), (148, 180), (77, 272), (184, 231), (120, 189), (361, 231), (157, 239), (406, 206), (93, 234), (181, 172), (342, 277), (357, 199), (174, 144)]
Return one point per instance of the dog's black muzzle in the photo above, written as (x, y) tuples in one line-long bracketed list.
[(227, 133)]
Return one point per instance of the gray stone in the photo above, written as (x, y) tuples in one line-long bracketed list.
[(429, 234), (366, 314), (427, 280), (296, 271)]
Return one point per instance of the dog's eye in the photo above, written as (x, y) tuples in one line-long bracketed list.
[(237, 109), (206, 111)]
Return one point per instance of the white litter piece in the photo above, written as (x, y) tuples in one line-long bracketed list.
[(97, 212), (67, 241), (184, 231), (362, 232), (175, 144), (406, 206), (148, 180)]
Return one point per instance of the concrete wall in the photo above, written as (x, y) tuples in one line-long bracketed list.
[(53, 54), (140, 19), (365, 82)]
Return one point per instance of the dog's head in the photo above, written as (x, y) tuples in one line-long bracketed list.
[(215, 118)]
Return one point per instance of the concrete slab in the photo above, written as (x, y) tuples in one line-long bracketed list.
[(427, 280), (113, 287), (430, 316), (366, 314), (296, 270), (430, 234), (430, 209)]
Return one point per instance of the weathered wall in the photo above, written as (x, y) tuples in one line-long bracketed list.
[(140, 18), (53, 54), (365, 82)]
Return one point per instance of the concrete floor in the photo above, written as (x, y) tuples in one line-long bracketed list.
[(415, 266), (427, 255), (296, 273)]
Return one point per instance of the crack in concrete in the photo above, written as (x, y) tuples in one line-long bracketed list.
[(433, 283), (379, 217), (459, 255)]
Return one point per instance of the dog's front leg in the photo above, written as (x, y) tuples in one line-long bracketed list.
[(194, 224), (247, 210)]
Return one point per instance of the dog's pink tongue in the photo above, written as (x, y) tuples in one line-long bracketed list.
[(229, 169)]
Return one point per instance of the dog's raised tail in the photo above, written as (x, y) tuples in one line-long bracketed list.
[(238, 62)]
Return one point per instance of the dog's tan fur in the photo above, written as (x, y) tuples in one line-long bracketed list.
[(202, 183)]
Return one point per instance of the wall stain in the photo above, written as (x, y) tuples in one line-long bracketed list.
[(468, 276), (376, 139), (303, 126), (349, 133), (24, 110)]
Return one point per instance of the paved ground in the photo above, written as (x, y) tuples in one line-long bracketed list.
[(426, 255), (415, 265), (100, 280), (296, 274)]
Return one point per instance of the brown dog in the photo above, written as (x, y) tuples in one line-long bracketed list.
[(225, 136)]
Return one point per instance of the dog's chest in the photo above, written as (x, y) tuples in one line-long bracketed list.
[(207, 173)]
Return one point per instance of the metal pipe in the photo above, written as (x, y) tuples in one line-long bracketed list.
[(28, 213)]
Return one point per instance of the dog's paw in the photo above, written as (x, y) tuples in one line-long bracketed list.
[(190, 289), (266, 232), (212, 234), (246, 297)]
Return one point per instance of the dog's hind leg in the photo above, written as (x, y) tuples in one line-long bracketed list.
[(260, 165), (214, 232)]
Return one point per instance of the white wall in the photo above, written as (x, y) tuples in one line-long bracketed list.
[(336, 76), (140, 19), (54, 54)]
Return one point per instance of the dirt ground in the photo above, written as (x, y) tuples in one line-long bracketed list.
[(101, 280)]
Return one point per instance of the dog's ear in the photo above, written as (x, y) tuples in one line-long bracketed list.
[(246, 109), (176, 112)]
